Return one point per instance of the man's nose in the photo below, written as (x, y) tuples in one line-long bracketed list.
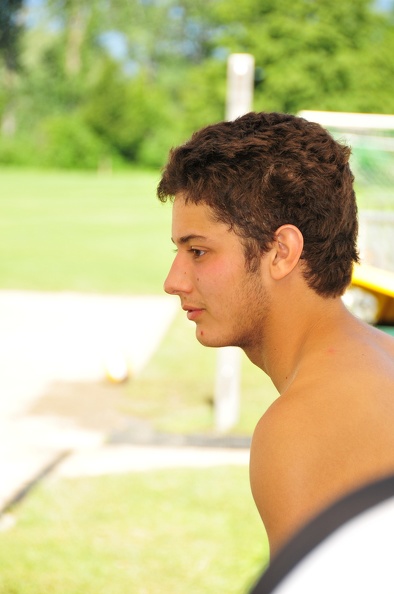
[(177, 280)]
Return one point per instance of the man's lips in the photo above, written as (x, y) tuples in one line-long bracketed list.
[(192, 312)]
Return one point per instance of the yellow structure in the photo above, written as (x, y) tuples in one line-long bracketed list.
[(380, 284)]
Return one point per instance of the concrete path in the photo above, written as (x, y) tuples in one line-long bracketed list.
[(115, 459), (67, 337), (46, 337), (54, 337)]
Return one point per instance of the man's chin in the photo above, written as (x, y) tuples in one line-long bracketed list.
[(202, 337), (210, 341)]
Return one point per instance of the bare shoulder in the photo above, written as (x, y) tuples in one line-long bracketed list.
[(373, 339), (310, 448), (330, 432), (281, 464)]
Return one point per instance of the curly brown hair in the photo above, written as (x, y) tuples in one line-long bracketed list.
[(264, 170)]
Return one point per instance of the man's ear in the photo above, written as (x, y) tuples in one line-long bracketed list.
[(286, 251)]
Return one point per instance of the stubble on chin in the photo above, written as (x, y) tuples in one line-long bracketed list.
[(248, 322), (257, 306)]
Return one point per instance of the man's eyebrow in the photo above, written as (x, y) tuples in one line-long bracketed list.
[(186, 238)]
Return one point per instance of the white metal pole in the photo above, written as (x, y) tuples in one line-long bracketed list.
[(240, 82)]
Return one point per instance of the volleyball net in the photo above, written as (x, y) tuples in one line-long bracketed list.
[(371, 137)]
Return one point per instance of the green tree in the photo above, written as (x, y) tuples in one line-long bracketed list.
[(10, 36), (76, 94), (313, 54), (120, 110)]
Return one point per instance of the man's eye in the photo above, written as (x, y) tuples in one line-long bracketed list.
[(196, 252)]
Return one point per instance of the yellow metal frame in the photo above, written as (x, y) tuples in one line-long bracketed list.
[(380, 283)]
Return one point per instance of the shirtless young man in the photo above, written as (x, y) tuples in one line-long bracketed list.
[(265, 226)]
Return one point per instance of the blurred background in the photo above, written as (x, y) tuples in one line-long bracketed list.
[(104, 84), (94, 359)]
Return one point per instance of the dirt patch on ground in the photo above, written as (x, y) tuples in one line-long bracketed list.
[(99, 406), (103, 406)]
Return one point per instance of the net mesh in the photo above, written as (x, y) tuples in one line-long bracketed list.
[(371, 137)]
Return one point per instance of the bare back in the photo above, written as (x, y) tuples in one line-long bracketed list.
[(330, 432)]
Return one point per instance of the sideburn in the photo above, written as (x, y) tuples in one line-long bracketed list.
[(253, 253)]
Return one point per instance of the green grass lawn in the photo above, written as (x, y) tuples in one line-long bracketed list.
[(83, 232), (167, 532)]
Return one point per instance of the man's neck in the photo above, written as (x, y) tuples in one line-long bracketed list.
[(294, 334)]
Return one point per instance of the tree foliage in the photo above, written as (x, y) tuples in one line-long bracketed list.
[(10, 31), (10, 34), (122, 81)]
